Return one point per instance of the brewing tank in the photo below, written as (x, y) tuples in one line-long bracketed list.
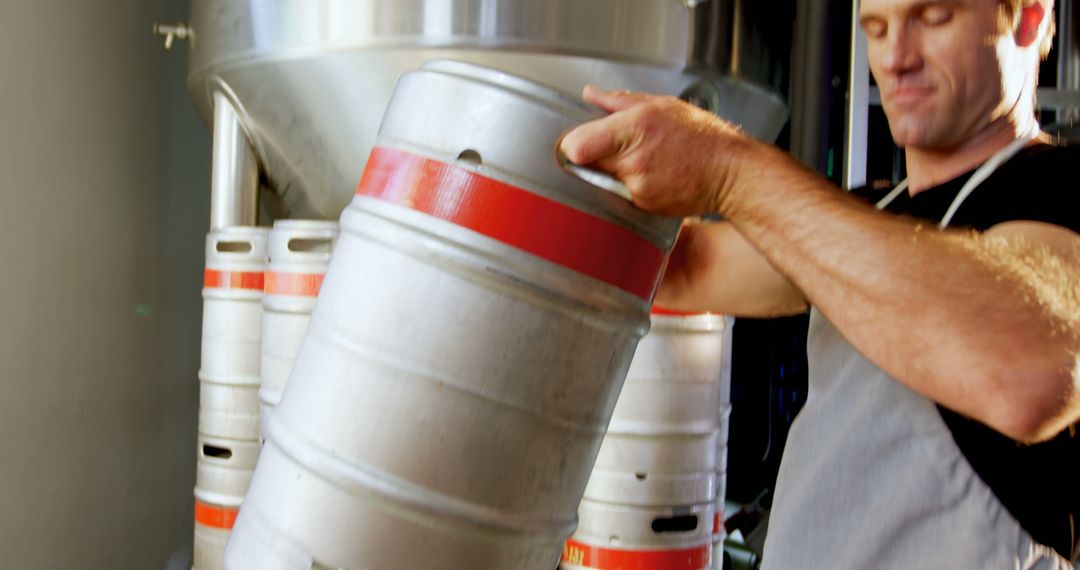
[(309, 80)]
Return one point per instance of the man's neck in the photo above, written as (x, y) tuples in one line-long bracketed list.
[(928, 168)]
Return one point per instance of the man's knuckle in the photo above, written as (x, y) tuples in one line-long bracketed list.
[(638, 162)]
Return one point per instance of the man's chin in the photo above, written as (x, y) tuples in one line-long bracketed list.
[(912, 132), (906, 139)]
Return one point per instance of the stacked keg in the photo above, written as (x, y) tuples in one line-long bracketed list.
[(299, 253), (652, 499), (719, 533), (467, 346), (228, 440)]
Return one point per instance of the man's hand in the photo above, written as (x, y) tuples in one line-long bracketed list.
[(679, 160), (676, 159)]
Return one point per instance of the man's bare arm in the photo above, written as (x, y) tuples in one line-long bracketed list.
[(985, 325), (713, 268)]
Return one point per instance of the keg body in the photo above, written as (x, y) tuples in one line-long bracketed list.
[(232, 333), (298, 253), (223, 472), (228, 385), (719, 531), (651, 499), (466, 348)]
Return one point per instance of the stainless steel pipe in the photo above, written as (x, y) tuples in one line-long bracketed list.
[(234, 182)]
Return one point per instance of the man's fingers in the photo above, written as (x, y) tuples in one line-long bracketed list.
[(593, 141), (612, 101), (603, 138)]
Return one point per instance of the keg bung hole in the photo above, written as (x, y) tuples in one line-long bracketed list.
[(470, 157), (641, 475), (310, 245), (234, 246), (215, 451), (680, 523)]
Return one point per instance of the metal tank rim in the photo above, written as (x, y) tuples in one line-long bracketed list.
[(229, 29)]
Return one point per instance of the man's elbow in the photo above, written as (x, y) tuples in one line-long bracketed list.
[(1039, 407)]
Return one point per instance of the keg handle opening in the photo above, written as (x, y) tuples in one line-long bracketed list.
[(471, 157), (215, 451), (677, 523), (310, 245), (599, 179), (233, 246)]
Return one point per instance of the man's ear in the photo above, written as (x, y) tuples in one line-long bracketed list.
[(1031, 19)]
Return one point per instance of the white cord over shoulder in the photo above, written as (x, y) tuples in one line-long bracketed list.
[(981, 174)]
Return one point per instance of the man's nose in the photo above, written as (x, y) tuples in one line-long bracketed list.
[(902, 52)]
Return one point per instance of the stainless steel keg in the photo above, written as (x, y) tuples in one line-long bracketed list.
[(228, 385), (298, 253), (467, 346), (651, 499)]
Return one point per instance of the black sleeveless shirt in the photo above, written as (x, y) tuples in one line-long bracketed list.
[(1038, 484)]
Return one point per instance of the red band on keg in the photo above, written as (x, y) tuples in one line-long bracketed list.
[(516, 217), (217, 517), (581, 554), (300, 284), (656, 310), (214, 279), (718, 522)]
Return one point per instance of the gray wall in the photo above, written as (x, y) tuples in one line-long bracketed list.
[(104, 177)]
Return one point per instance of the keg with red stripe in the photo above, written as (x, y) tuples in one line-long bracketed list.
[(232, 333), (223, 471), (651, 499), (467, 346), (621, 537), (719, 532), (228, 444), (299, 252)]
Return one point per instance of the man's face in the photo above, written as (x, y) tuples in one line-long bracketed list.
[(938, 66)]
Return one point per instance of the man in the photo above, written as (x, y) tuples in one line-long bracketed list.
[(939, 431)]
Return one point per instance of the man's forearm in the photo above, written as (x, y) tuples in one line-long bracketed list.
[(936, 310)]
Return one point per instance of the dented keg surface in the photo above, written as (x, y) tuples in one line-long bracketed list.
[(298, 254), (467, 346)]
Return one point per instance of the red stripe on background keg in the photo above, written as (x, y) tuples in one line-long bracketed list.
[(217, 517), (718, 522), (581, 554), (301, 284), (516, 217), (214, 279)]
